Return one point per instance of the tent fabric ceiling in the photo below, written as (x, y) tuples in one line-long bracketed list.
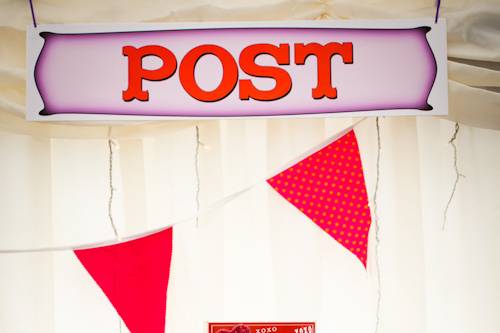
[(473, 41)]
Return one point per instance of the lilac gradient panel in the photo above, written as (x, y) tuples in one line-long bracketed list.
[(86, 73)]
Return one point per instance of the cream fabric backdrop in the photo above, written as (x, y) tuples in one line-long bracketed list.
[(257, 257)]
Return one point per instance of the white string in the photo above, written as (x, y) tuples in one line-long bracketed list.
[(377, 228), (111, 143), (457, 174), (110, 182), (201, 212)]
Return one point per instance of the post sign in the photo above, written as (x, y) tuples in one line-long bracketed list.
[(158, 71), (297, 327)]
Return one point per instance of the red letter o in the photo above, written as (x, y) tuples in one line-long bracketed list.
[(229, 73)]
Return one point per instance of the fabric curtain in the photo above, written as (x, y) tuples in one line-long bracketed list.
[(256, 258)]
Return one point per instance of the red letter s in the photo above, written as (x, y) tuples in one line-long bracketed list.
[(281, 76)]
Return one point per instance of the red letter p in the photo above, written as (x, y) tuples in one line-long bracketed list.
[(136, 73)]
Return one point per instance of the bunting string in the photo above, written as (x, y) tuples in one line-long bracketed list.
[(213, 207), (199, 213)]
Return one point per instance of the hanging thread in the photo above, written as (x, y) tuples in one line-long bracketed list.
[(110, 182), (438, 6), (377, 227), (32, 13), (457, 172), (111, 143), (197, 172)]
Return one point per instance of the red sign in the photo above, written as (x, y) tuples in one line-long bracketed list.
[(301, 327)]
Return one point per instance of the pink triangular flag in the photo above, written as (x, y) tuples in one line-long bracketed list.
[(329, 187), (134, 276)]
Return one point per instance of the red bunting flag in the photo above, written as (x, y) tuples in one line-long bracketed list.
[(134, 276), (329, 187)]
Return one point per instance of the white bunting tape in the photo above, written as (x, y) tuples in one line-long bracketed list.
[(199, 213)]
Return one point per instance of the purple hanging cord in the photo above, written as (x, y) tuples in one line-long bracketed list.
[(32, 13), (438, 5)]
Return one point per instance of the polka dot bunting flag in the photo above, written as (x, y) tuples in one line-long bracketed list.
[(329, 187)]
